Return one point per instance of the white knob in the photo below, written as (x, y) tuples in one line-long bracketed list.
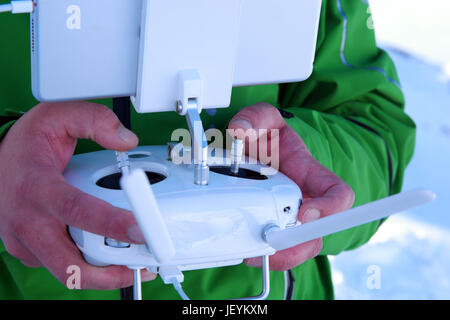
[(237, 150)]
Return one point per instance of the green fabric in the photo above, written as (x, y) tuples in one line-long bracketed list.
[(360, 83)]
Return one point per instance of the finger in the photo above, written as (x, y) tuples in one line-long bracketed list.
[(59, 255), (67, 121), (81, 210), (16, 249), (263, 130), (256, 117), (290, 258), (31, 264), (323, 191), (100, 124), (337, 198), (294, 159), (254, 121)]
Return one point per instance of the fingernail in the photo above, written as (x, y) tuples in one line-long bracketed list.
[(241, 123), (135, 234), (126, 135), (147, 276), (311, 215)]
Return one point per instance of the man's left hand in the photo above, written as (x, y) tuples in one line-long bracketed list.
[(324, 193)]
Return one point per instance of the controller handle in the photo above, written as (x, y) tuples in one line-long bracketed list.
[(140, 195), (287, 238)]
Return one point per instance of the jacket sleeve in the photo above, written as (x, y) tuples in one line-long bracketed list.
[(350, 113), (4, 128), (15, 85), (7, 119)]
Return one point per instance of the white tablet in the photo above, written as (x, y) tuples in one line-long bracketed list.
[(87, 49)]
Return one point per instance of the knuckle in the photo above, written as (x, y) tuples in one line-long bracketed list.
[(349, 195), (102, 120), (26, 185), (111, 229), (71, 208), (102, 115), (30, 264), (264, 105), (261, 108), (85, 284), (285, 265), (15, 250), (318, 247), (269, 110), (122, 282), (20, 229), (109, 281), (43, 108), (115, 225)]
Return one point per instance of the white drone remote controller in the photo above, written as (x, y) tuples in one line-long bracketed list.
[(186, 225)]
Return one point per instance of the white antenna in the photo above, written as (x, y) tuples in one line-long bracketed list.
[(287, 238), (145, 208)]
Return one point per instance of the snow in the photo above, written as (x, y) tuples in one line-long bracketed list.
[(409, 257), (415, 26)]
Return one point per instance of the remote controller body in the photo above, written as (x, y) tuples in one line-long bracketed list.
[(215, 225)]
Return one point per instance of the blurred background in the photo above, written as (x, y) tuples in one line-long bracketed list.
[(409, 257)]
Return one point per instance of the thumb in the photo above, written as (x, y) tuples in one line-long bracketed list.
[(337, 198), (92, 121), (256, 117)]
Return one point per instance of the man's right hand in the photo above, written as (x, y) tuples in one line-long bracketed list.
[(37, 204)]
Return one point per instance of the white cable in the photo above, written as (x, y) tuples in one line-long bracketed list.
[(20, 6), (177, 286), (5, 7), (173, 275)]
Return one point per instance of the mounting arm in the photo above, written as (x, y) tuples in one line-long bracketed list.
[(190, 105)]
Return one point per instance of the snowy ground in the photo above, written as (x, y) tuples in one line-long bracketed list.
[(409, 257), (418, 26)]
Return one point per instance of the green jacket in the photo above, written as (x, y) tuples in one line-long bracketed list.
[(350, 113)]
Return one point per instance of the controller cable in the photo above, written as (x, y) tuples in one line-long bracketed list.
[(22, 6)]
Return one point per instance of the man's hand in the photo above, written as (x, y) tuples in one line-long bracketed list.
[(323, 192), (36, 203)]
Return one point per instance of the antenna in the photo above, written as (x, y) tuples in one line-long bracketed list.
[(145, 208), (287, 238)]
